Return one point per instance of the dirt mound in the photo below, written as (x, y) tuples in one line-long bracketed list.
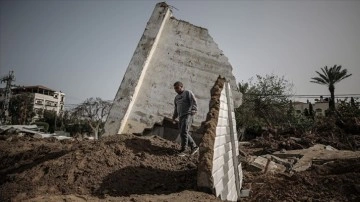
[(186, 195), (116, 166), (334, 181)]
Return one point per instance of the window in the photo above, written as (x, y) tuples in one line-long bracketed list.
[(39, 102)]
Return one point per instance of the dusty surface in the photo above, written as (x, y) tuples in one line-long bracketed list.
[(177, 197), (115, 168), (130, 168)]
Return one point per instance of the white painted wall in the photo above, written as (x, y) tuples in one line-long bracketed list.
[(223, 171), (175, 51)]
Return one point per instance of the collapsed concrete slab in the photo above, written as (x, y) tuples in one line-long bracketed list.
[(170, 50), (318, 153)]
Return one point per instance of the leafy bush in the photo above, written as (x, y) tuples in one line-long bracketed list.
[(43, 125), (265, 104)]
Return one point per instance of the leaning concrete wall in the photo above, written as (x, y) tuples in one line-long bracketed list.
[(219, 170), (170, 50)]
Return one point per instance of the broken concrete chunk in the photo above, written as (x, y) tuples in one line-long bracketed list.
[(244, 143), (296, 139), (260, 164), (285, 162), (330, 148), (244, 193)]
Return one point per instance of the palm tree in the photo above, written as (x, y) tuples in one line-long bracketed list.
[(331, 76)]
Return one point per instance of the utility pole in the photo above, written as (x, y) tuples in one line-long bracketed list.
[(7, 91)]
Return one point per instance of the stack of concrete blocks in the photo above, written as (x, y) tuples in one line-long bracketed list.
[(169, 50), (219, 151), (226, 151)]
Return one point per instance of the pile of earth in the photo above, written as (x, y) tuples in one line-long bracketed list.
[(124, 167), (131, 168)]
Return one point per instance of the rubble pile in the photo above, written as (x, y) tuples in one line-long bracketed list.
[(131, 168), (120, 166), (337, 180), (306, 167)]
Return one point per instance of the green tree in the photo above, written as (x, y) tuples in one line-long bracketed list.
[(306, 112), (50, 117), (352, 102), (329, 77), (349, 109), (311, 111), (243, 87), (265, 102), (21, 108), (94, 111)]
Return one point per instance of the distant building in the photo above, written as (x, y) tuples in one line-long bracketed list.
[(44, 98), (319, 107)]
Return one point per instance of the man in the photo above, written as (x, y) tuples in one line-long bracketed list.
[(185, 109)]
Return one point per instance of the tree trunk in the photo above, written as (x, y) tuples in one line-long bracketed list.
[(95, 129), (96, 134), (332, 99)]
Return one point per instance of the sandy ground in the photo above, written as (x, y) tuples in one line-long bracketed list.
[(131, 168)]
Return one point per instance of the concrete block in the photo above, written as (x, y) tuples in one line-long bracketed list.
[(244, 193), (223, 97), (278, 160), (235, 197), (219, 186), (220, 140), (219, 130), (231, 172), (218, 163), (218, 175), (244, 143), (240, 175), (272, 166), (231, 189), (219, 151), (260, 163)]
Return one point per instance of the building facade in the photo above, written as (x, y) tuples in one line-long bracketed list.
[(320, 106), (44, 98)]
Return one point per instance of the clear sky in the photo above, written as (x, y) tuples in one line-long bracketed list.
[(84, 47)]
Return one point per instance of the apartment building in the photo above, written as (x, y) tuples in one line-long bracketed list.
[(44, 98), (319, 107)]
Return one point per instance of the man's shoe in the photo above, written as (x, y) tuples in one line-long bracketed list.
[(194, 150), (182, 154)]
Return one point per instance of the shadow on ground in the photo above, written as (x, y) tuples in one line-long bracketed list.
[(144, 145), (143, 180), (25, 161)]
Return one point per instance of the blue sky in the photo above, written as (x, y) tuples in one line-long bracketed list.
[(84, 47)]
